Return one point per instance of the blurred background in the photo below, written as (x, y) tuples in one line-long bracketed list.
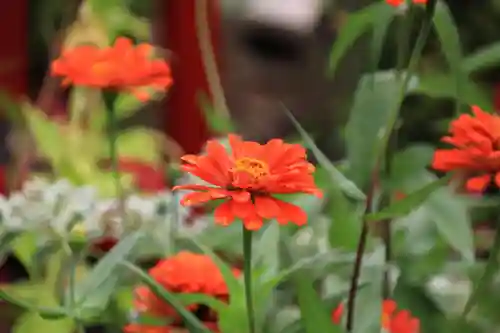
[(269, 53)]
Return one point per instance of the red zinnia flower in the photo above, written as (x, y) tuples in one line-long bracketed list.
[(396, 3), (148, 178), (188, 273), (121, 67), (247, 177), (392, 321), (477, 149)]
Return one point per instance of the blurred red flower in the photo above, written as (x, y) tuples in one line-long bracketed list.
[(248, 177), (121, 67), (187, 273), (477, 149), (392, 321), (147, 177), (400, 2)]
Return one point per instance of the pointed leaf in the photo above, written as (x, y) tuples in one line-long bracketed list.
[(138, 144), (336, 176), (356, 25), (368, 122), (409, 203), (448, 35), (103, 277), (452, 221), (314, 315), (485, 58)]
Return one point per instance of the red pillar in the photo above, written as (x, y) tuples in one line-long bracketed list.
[(177, 31), (14, 51), (13, 59)]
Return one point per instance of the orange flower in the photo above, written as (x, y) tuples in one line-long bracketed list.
[(477, 149), (392, 321), (247, 177), (122, 67), (188, 273), (396, 3)]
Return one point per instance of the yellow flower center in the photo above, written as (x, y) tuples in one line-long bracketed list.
[(257, 169)]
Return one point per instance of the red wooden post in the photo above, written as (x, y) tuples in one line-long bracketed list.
[(13, 59), (14, 52), (177, 29)]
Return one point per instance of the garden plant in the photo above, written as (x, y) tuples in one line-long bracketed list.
[(286, 240)]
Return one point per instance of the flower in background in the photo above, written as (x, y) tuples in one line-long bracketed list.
[(247, 178), (183, 273), (148, 178), (121, 67), (396, 3), (476, 152), (392, 321)]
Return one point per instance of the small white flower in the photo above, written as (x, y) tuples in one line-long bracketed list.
[(9, 217), (145, 208)]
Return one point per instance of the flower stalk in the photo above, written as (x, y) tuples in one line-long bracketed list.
[(385, 145), (247, 274)]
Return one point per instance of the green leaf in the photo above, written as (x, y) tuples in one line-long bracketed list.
[(416, 299), (346, 220), (314, 315), (138, 144), (266, 251), (485, 58), (356, 25), (204, 299), (168, 297), (452, 219), (94, 291), (126, 105), (347, 186), (6, 239), (449, 37), (47, 134), (24, 248), (25, 296), (368, 122), (216, 122), (381, 23), (405, 164), (483, 285), (441, 85), (33, 322), (409, 203), (119, 20)]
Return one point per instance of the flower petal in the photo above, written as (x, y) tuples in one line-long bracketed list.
[(291, 213), (266, 207), (196, 198), (243, 210), (253, 222), (478, 184), (223, 214)]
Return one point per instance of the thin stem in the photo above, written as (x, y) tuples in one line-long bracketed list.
[(415, 56), (208, 58), (247, 273), (363, 237), (486, 278), (109, 99)]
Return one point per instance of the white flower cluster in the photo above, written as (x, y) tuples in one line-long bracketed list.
[(57, 209)]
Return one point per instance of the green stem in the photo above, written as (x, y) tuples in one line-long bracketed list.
[(109, 100), (412, 66), (247, 273), (485, 281)]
